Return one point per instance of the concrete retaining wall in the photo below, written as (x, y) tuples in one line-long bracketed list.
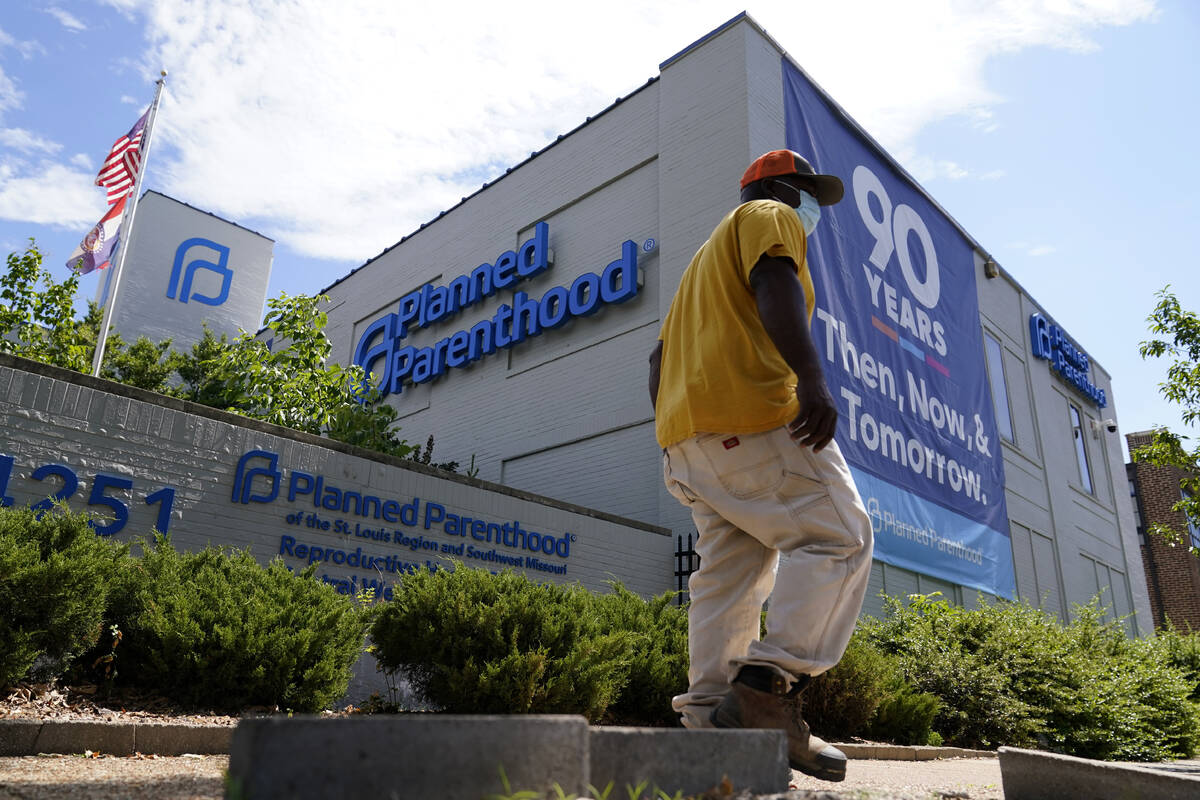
[(139, 460)]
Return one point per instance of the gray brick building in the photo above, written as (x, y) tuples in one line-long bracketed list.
[(564, 411)]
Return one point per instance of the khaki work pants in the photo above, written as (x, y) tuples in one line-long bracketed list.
[(774, 519)]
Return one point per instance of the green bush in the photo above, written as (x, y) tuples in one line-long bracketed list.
[(1009, 674), (905, 717), (219, 630), (839, 703), (1181, 651), (55, 577), (472, 642), (659, 665)]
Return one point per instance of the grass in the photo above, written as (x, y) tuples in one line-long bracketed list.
[(634, 792)]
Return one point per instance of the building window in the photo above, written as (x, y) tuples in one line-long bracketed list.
[(995, 368), (1137, 509), (1085, 473), (1193, 531)]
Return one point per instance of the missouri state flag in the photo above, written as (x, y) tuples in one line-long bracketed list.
[(97, 248)]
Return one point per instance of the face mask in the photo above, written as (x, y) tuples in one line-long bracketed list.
[(809, 212)]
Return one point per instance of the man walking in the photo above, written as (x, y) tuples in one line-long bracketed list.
[(746, 423)]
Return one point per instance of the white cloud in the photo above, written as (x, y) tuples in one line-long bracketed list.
[(66, 19), (49, 194), (26, 49), (26, 142), (337, 128), (10, 95), (926, 169), (1032, 249), (83, 160)]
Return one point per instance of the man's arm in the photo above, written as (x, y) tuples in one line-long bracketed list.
[(655, 365), (780, 300)]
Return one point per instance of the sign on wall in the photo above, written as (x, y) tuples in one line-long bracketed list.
[(209, 478), (897, 324), (383, 349), (1051, 343), (187, 269)]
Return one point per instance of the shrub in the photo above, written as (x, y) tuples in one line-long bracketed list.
[(1007, 673), (55, 576), (659, 660), (1181, 651), (938, 646), (905, 717), (472, 642), (842, 701), (219, 630)]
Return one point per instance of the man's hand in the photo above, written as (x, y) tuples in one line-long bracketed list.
[(816, 423)]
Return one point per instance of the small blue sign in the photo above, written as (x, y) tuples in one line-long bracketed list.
[(1050, 342)]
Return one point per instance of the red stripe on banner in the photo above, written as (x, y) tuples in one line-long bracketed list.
[(885, 329), (936, 365)]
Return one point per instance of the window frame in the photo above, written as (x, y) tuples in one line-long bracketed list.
[(1082, 461), (993, 368)]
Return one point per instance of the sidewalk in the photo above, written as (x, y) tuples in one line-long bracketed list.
[(201, 778), (105, 760)]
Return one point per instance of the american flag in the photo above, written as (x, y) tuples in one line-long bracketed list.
[(119, 171)]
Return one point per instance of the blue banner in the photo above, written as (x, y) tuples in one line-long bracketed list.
[(897, 326)]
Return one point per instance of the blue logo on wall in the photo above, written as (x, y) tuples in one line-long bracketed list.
[(243, 478), (1051, 342), (426, 514), (382, 351), (221, 267)]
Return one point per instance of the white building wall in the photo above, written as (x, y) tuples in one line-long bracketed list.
[(223, 261), (567, 414)]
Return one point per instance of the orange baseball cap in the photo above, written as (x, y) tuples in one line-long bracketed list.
[(779, 163)]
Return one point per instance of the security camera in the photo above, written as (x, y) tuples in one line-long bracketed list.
[(1109, 425)]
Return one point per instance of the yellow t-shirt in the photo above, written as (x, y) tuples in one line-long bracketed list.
[(720, 371)]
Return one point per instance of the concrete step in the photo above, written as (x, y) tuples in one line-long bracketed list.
[(27, 737), (447, 756), (1036, 775), (674, 759)]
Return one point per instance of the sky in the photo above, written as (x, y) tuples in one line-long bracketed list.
[(1058, 133)]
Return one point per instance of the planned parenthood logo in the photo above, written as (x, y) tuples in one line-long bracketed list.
[(188, 270), (344, 510), (250, 467)]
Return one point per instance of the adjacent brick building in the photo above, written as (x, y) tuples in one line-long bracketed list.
[(1172, 572)]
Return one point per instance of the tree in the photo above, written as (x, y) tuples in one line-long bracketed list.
[(1176, 335), (143, 364), (289, 381), (40, 323), (203, 378)]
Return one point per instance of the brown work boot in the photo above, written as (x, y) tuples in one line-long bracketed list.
[(760, 698)]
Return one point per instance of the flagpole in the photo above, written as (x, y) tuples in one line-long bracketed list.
[(126, 229)]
